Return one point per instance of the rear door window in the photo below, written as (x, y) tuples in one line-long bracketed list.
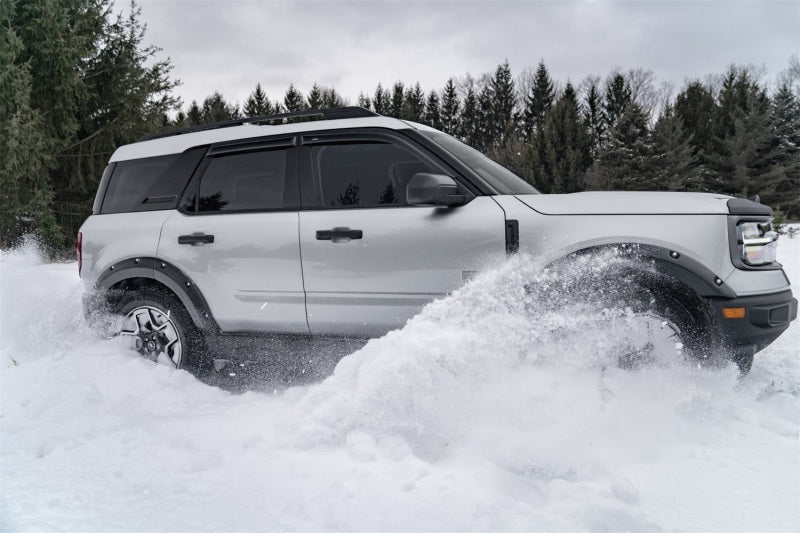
[(252, 181)]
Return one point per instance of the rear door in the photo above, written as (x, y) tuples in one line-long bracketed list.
[(371, 261), (236, 236)]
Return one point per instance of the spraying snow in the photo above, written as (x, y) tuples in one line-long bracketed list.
[(491, 410)]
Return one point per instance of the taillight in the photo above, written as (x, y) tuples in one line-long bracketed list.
[(79, 250)]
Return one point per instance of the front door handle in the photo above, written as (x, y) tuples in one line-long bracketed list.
[(196, 239), (339, 234)]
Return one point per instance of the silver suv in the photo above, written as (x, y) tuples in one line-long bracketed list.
[(348, 226)]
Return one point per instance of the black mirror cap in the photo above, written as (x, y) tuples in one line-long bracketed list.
[(433, 189)]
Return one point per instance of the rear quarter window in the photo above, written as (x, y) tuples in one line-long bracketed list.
[(149, 184)]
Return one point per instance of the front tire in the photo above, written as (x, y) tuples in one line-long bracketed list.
[(630, 289), (160, 329)]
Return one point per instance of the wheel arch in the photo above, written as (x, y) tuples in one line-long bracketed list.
[(672, 263), (141, 272), (667, 278)]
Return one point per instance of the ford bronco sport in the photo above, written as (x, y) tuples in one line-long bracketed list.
[(347, 226)]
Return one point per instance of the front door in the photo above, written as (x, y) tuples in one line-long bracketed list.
[(371, 261)]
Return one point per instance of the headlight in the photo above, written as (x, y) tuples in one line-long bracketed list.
[(757, 242)]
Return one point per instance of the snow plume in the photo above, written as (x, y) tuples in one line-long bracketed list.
[(499, 353), (41, 314), (501, 407)]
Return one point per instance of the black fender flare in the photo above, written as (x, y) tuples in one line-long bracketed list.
[(671, 263), (165, 274)]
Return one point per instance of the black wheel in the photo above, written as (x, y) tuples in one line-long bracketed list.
[(160, 329), (652, 314), (673, 316)]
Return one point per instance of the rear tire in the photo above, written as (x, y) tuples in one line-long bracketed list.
[(160, 329)]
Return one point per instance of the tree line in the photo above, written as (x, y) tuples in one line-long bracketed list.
[(77, 80), (725, 134)]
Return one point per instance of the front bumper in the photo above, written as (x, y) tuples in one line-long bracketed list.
[(765, 318)]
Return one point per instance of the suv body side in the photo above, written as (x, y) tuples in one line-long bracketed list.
[(325, 250)]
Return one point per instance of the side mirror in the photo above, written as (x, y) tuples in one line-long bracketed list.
[(433, 189)]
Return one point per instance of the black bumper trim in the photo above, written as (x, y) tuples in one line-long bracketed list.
[(766, 317)]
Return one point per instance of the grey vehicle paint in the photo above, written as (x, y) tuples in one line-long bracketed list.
[(407, 257), (250, 275)]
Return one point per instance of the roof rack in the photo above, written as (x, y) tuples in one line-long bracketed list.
[(334, 113)]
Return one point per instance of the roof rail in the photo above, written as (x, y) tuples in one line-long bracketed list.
[(334, 113)]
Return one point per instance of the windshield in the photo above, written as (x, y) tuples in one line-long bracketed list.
[(495, 174)]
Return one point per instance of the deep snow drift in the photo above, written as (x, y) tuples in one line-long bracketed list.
[(476, 416)]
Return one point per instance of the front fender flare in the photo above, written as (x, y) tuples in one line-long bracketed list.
[(688, 271)]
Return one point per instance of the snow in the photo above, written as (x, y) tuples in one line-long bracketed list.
[(475, 416)]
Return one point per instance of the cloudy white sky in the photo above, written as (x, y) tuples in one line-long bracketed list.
[(230, 45)]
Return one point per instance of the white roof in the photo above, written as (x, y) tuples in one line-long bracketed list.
[(175, 144)]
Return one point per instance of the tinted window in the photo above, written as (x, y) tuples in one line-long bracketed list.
[(495, 174), (243, 182), (130, 184), (364, 174)]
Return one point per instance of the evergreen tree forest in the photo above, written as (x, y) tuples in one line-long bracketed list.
[(77, 80)]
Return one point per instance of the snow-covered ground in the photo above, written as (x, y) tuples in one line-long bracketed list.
[(470, 418)]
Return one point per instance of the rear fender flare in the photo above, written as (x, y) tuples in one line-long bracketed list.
[(167, 275)]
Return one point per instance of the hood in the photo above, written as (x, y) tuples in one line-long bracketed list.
[(627, 203)]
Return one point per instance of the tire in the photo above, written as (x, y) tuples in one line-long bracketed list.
[(684, 313), (161, 329), (630, 288)]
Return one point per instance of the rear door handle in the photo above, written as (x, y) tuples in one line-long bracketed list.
[(196, 239), (339, 234)]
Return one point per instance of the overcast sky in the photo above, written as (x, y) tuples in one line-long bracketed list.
[(230, 45)]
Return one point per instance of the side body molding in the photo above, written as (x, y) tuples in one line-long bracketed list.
[(168, 275)]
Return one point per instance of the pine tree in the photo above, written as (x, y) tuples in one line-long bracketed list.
[(257, 104), (566, 145), (782, 190), (180, 119), (293, 100), (538, 101), (414, 104), (451, 108), (745, 147), (364, 101), (617, 99), (469, 119), (696, 107), (216, 109), (398, 100), (331, 99), (675, 165), (485, 124), (503, 103), (593, 115), (433, 111), (380, 101), (25, 149), (194, 116), (625, 160), (314, 97), (95, 85)]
